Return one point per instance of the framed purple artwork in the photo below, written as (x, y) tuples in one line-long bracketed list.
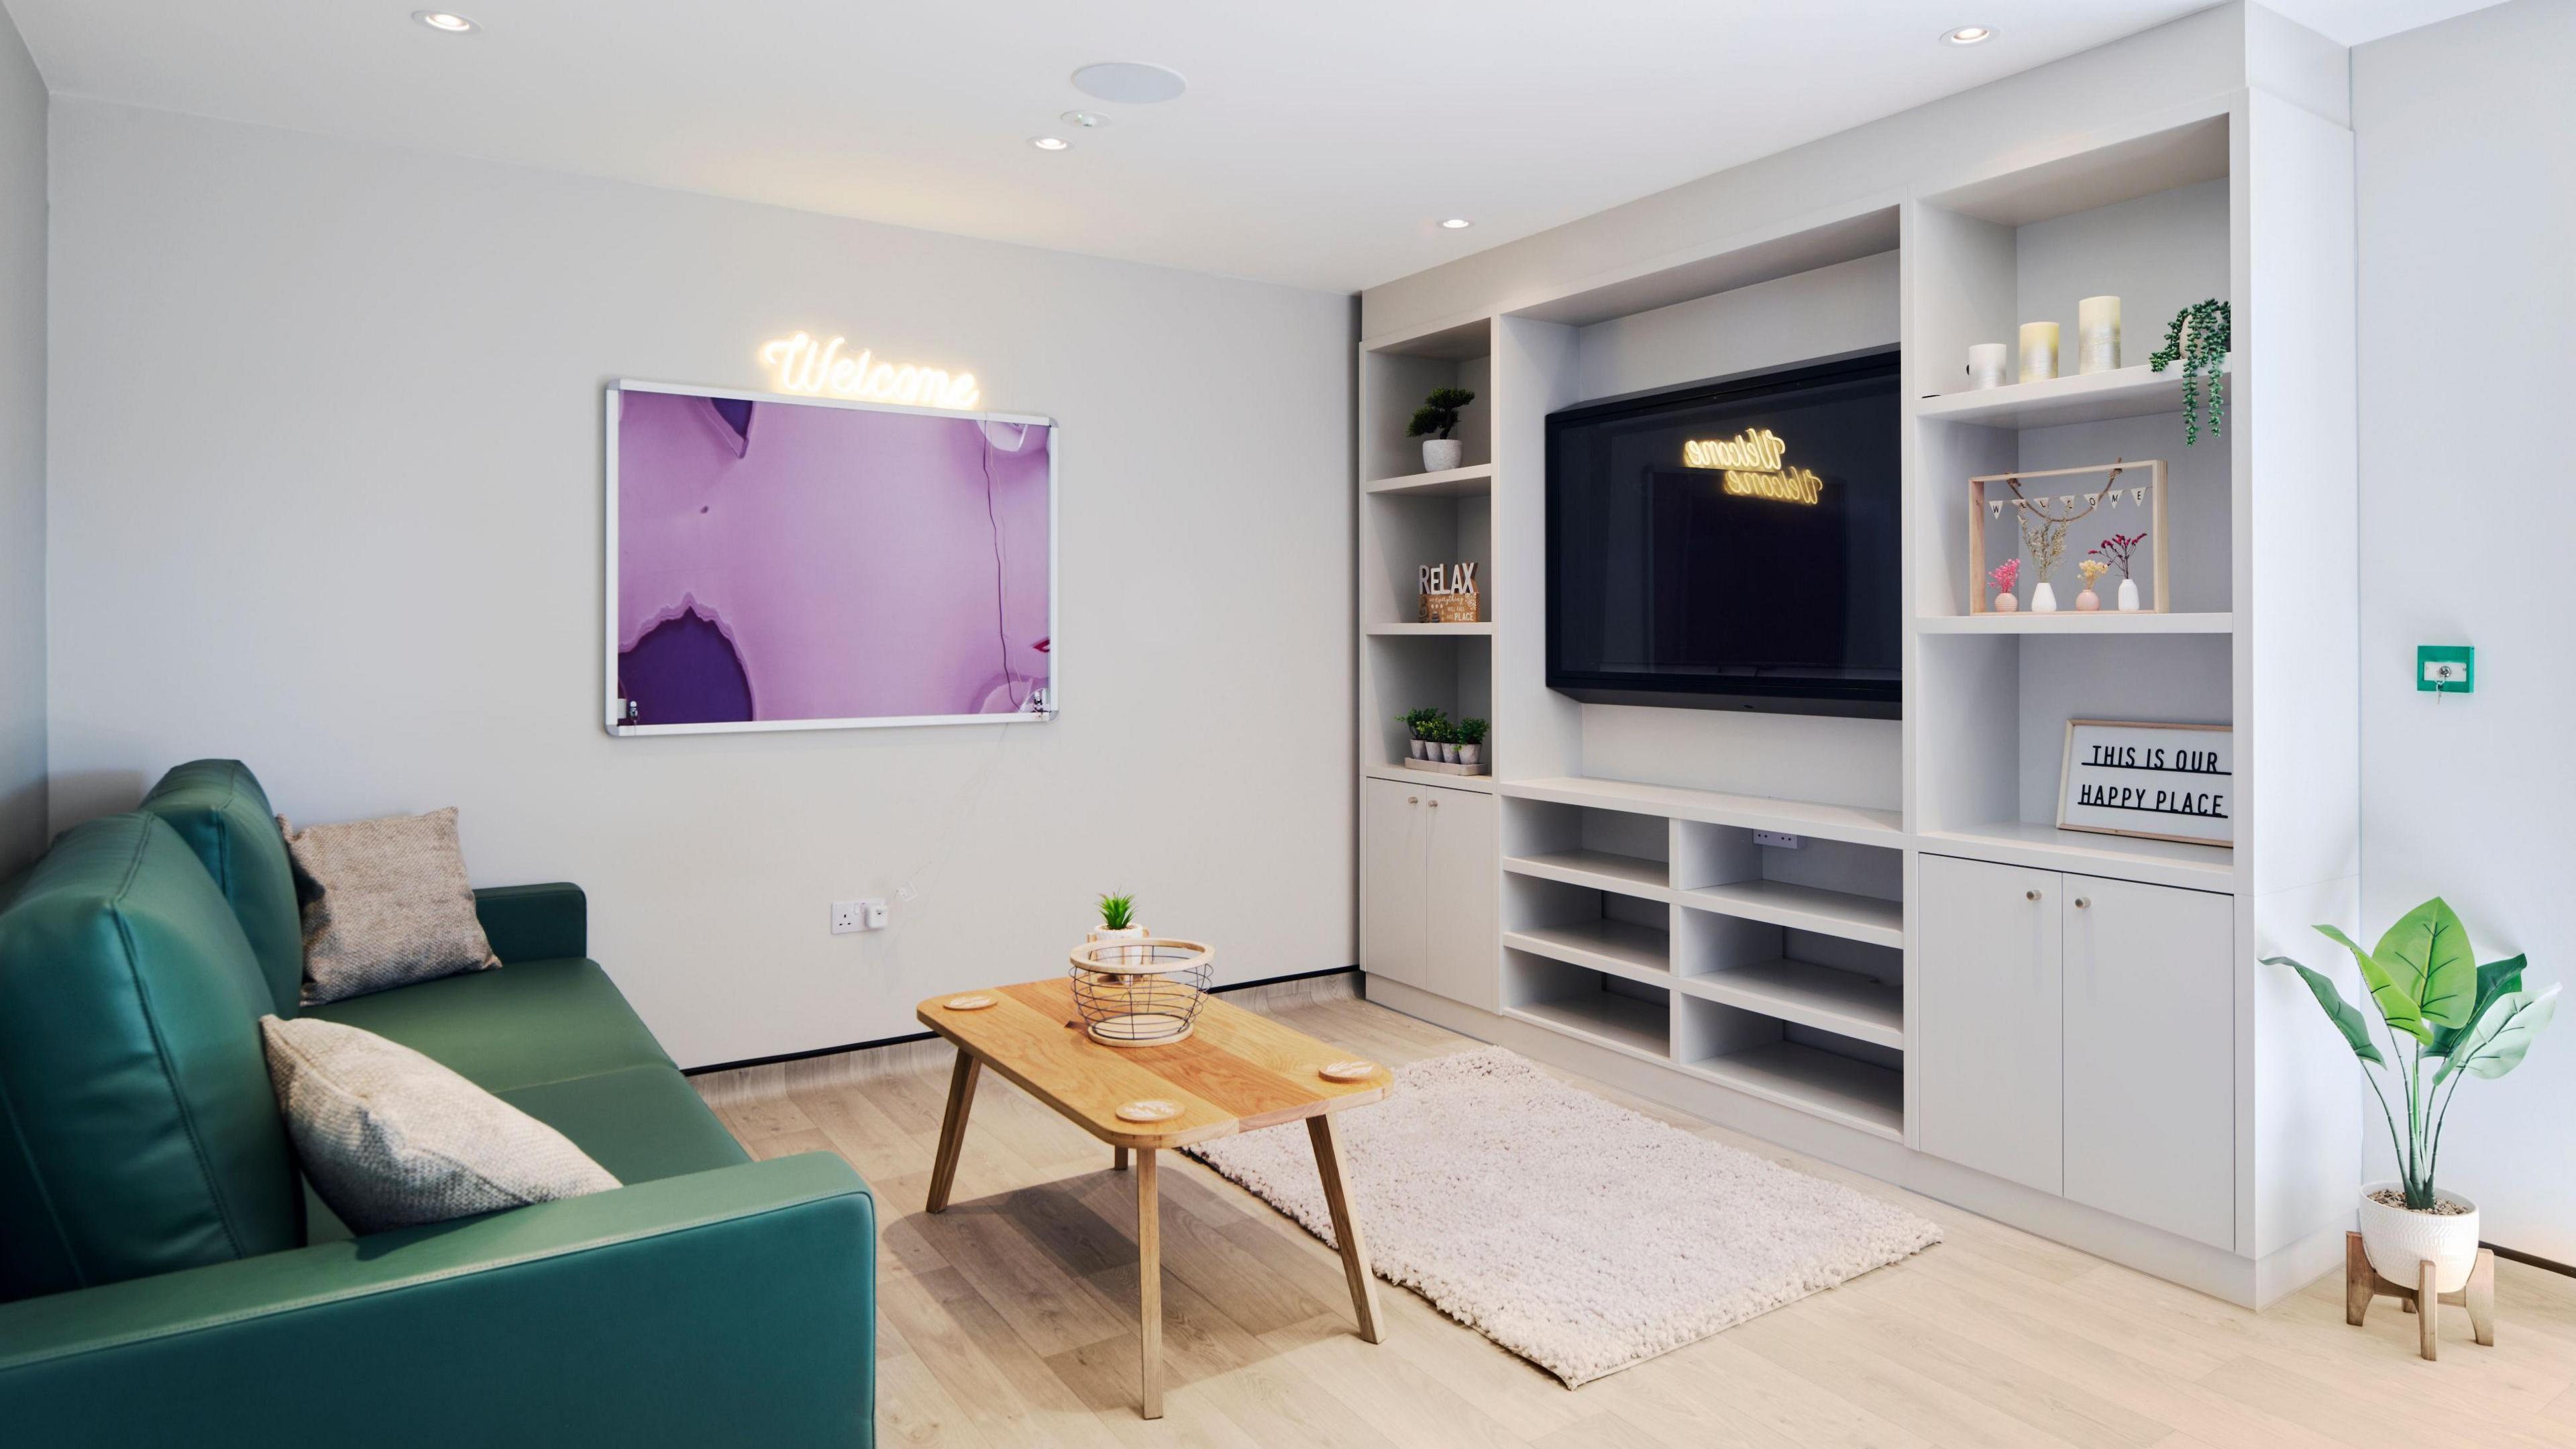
[(784, 562)]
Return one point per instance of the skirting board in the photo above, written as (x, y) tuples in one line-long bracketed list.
[(2239, 1280), (738, 1086)]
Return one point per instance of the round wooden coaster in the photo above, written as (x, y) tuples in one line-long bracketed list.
[(1350, 1071), (1153, 1109), (969, 1003)]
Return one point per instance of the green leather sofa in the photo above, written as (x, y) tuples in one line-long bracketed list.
[(165, 1278)]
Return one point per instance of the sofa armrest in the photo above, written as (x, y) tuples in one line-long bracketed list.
[(728, 1307), (534, 922)]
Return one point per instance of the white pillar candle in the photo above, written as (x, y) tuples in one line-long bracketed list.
[(2038, 351), (1986, 364), (2097, 334)]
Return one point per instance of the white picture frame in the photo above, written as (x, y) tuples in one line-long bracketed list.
[(612, 711), (2149, 781)]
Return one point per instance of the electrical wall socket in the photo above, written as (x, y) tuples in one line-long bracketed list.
[(848, 916), (1781, 839)]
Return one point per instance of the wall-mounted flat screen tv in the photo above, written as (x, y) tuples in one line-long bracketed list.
[(786, 562), (1731, 545)]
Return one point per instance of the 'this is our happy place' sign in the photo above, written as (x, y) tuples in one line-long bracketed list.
[(2160, 781)]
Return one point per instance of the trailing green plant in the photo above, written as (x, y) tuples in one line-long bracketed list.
[(2436, 1003), (1117, 913), (2198, 339), (1471, 731), (1438, 413)]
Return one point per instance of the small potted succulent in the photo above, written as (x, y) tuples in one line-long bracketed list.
[(1471, 742), (2005, 575), (1118, 922), (1418, 722), (2092, 569), (2440, 1010), (2119, 549), (1444, 741), (1432, 422)]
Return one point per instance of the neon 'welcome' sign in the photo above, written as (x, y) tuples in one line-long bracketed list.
[(827, 369), (1751, 462)]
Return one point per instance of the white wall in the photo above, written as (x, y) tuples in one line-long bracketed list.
[(2466, 135), (326, 496), (22, 453)]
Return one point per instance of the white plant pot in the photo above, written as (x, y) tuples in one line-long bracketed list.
[(2128, 596), (1471, 754), (1439, 455), (1131, 933), (1421, 749), (2043, 599), (2398, 1240), (1448, 754)]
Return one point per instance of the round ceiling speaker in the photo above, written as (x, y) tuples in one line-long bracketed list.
[(1130, 82)]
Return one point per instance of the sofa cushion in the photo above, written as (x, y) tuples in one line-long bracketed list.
[(137, 1131), (529, 1023), (642, 1123), (391, 1139), (386, 904), (219, 809)]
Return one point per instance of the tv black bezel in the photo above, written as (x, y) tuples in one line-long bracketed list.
[(1852, 699)]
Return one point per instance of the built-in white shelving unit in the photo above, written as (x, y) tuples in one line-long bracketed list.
[(1805, 988)]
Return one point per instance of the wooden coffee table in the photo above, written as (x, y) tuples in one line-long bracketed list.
[(1236, 1072)]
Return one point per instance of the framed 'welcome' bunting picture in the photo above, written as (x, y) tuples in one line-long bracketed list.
[(2155, 781)]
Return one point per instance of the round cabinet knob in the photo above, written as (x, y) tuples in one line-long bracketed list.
[(1412, 799), (2081, 903), (2030, 895), (1435, 804)]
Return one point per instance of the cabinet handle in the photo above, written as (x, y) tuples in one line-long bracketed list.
[(2081, 903), (1412, 799), (2030, 895), (1435, 804)]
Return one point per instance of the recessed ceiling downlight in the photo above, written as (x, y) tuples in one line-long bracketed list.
[(447, 21), (1457, 223), (1970, 35), (1051, 143), (1130, 82)]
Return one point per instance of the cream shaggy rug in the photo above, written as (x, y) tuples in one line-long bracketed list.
[(1580, 1235)]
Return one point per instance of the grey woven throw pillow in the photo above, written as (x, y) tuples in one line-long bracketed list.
[(391, 1139), (386, 903)]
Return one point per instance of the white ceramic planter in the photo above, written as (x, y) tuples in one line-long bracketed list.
[(1422, 749), (2398, 1241), (1471, 754), (1131, 933), (1448, 753), (1439, 455)]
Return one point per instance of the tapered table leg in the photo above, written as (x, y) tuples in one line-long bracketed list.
[(952, 1129), (1118, 1159), (1149, 1285), (1346, 1225)]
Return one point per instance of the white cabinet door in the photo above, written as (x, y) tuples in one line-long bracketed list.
[(1991, 1046), (2151, 1055), (1466, 943), (1394, 839)]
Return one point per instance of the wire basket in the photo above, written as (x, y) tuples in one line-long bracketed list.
[(1141, 993)]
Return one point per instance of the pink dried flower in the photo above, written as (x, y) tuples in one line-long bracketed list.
[(2117, 549), (2005, 575)]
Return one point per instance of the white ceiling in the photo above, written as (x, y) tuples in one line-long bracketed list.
[(1319, 144)]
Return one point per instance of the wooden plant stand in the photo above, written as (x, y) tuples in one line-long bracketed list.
[(2362, 1282)]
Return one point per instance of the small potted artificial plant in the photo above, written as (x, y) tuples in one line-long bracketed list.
[(2120, 549), (2005, 575), (1118, 923), (1471, 742), (1444, 741), (2441, 1009), (1432, 422), (1418, 722)]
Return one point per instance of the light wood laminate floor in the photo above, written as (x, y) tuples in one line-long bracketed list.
[(1010, 1320)]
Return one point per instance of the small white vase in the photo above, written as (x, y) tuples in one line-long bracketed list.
[(2128, 596), (2398, 1240), (2043, 599), (1439, 455)]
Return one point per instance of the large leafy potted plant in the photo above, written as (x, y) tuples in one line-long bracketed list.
[(2441, 1009)]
